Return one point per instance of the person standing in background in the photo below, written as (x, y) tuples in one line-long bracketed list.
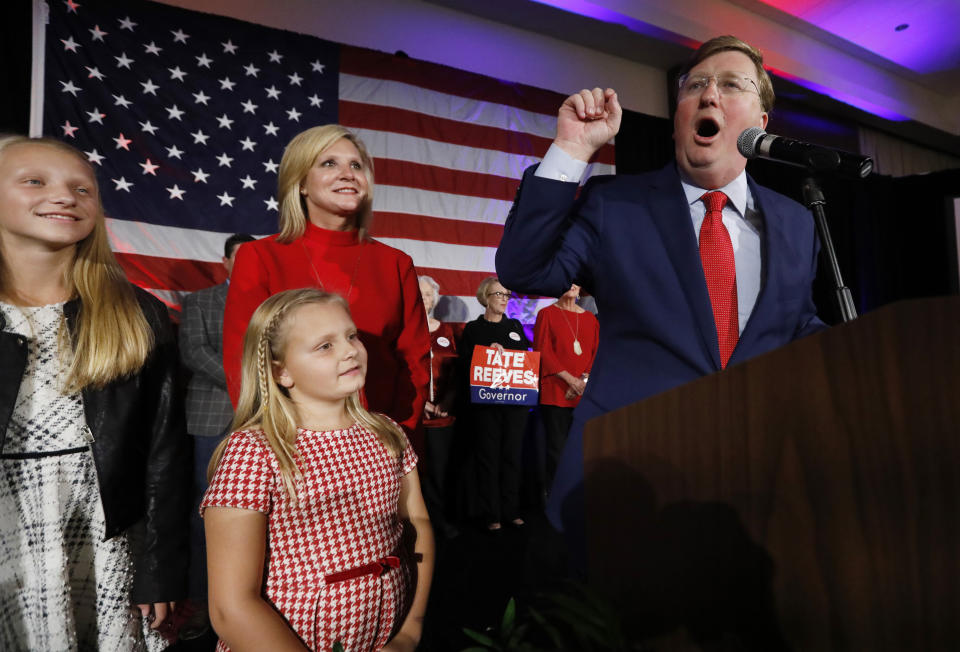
[(209, 411), (438, 418), (566, 336)]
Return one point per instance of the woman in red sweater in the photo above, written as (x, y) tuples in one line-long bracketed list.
[(566, 336), (325, 190)]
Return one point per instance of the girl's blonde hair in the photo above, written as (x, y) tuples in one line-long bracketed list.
[(266, 405), (300, 155), (112, 338)]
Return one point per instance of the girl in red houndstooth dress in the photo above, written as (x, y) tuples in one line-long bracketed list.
[(316, 488)]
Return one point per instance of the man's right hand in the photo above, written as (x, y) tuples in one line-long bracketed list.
[(586, 121)]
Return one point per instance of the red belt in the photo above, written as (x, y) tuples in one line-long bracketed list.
[(376, 568)]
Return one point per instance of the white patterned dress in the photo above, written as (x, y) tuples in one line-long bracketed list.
[(346, 518), (61, 586)]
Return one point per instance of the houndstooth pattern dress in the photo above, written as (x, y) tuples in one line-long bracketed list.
[(346, 517), (62, 587)]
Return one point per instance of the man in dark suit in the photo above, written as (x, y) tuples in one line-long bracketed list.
[(687, 280), (208, 407)]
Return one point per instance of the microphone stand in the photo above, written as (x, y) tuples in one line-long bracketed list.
[(814, 200)]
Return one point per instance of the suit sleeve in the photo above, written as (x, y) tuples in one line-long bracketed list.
[(549, 238), (248, 289), (197, 352), (161, 567), (413, 351)]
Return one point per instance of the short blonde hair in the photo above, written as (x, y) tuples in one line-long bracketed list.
[(733, 44), (112, 338), (299, 156), (484, 287), (266, 405)]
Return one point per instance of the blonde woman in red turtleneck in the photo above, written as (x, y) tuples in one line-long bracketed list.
[(325, 190)]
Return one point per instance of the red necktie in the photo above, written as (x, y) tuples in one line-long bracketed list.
[(720, 271)]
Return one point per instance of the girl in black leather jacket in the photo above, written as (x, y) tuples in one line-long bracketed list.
[(94, 484)]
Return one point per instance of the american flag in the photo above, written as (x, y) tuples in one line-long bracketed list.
[(186, 116)]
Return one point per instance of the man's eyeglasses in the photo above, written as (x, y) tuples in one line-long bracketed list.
[(728, 84), (499, 295)]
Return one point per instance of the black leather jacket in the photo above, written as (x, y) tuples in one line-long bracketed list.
[(140, 450)]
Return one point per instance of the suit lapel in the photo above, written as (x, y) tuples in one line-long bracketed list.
[(774, 239), (671, 215)]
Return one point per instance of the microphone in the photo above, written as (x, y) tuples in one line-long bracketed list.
[(755, 142)]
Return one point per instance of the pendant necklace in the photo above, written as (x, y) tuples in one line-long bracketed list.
[(316, 274), (576, 339)]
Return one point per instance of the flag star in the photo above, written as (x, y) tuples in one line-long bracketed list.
[(97, 34), (271, 128), (270, 166), (294, 115), (179, 36), (176, 192), (247, 144), (271, 204), (122, 142), (224, 160), (249, 106), (174, 152), (149, 167), (68, 87), (71, 6), (314, 100), (122, 184), (203, 60), (120, 100), (225, 199), (273, 93), (200, 138), (70, 44), (96, 116), (94, 156), (317, 66), (201, 98), (174, 112), (126, 23), (199, 176), (148, 127), (94, 73), (248, 182), (153, 48), (295, 79), (68, 129), (251, 70), (149, 87), (229, 47), (176, 73), (226, 84), (123, 61), (224, 121), (275, 56)]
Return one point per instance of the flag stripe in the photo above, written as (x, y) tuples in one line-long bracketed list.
[(437, 77), (405, 225), (358, 115)]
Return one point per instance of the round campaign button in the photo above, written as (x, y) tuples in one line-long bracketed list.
[(514, 336), (442, 341)]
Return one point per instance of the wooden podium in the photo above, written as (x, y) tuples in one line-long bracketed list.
[(808, 499)]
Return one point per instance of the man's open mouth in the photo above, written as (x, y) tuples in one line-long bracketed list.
[(707, 128)]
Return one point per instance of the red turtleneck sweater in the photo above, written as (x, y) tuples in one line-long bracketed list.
[(380, 284)]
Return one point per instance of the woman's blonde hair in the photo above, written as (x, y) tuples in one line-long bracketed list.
[(266, 405), (112, 338), (484, 287), (300, 155)]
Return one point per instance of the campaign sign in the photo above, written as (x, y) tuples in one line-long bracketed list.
[(508, 378)]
